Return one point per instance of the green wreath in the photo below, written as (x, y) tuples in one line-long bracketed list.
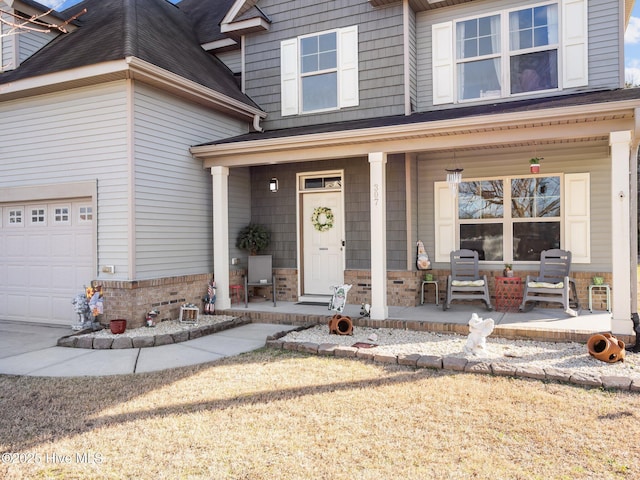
[(322, 219)]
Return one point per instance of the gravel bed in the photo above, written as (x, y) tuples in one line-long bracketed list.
[(566, 356), (162, 328)]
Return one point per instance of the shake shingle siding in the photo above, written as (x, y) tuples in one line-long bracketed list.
[(605, 45), (380, 51)]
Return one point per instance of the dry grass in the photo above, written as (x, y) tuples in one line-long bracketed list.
[(284, 415)]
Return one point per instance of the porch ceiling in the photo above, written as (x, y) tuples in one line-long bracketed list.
[(512, 130)]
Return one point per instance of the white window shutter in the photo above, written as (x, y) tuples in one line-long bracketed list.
[(348, 67), (575, 44), (289, 77), (577, 224), (444, 221), (443, 62)]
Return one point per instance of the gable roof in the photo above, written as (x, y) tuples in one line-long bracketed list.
[(206, 17), (154, 31)]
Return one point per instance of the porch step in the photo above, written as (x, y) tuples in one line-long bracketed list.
[(502, 331)]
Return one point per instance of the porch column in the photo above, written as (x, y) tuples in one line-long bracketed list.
[(220, 183), (620, 143), (378, 189)]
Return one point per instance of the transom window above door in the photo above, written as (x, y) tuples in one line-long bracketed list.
[(319, 72)]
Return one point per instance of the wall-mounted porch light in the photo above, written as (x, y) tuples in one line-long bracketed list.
[(273, 185)]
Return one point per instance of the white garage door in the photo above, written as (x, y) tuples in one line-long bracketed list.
[(46, 258)]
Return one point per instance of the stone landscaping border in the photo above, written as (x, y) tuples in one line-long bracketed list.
[(459, 364), (81, 340)]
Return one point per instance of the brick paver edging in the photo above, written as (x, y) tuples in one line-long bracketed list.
[(459, 364), (106, 343)]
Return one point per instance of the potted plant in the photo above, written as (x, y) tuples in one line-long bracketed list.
[(508, 270), (253, 238), (534, 164)]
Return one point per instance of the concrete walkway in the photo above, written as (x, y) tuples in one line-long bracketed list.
[(30, 349)]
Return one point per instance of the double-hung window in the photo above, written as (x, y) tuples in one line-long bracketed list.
[(513, 219), (510, 52), (319, 72)]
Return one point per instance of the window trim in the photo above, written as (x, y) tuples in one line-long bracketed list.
[(572, 53), (575, 217)]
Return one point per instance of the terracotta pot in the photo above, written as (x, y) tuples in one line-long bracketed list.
[(606, 347), (340, 325), (118, 326), (535, 168)]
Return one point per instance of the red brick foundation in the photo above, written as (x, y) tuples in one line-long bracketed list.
[(132, 300)]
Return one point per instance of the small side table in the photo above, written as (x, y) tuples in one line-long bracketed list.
[(608, 290), (508, 294), (428, 282), (236, 293)]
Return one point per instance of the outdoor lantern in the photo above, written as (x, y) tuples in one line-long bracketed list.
[(273, 185)]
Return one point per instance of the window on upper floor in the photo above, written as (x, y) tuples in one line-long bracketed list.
[(319, 72), (510, 52)]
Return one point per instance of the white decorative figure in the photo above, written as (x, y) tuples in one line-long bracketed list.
[(479, 330)]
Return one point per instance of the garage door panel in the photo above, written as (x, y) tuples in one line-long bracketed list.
[(18, 278), (39, 279), (15, 245), (62, 307), (63, 246), (39, 306), (84, 246), (16, 304), (38, 245)]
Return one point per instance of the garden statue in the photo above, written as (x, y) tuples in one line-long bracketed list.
[(88, 306), (210, 299), (479, 330)]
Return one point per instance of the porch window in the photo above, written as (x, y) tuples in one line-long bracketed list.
[(319, 72), (510, 52), (514, 218)]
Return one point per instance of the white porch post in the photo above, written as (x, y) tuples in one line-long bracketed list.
[(620, 143), (378, 189), (220, 183)]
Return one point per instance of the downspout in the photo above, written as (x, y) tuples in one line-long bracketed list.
[(633, 220), (256, 123)]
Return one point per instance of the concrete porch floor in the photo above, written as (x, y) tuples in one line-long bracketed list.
[(544, 324)]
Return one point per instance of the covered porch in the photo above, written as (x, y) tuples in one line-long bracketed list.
[(591, 138)]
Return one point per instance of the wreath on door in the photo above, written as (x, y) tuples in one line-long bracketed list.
[(322, 219)]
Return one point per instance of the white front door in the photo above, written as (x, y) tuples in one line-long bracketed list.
[(322, 227)]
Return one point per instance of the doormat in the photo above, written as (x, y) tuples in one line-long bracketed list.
[(317, 304)]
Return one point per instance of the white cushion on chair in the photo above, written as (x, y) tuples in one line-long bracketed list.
[(545, 285), (467, 283)]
